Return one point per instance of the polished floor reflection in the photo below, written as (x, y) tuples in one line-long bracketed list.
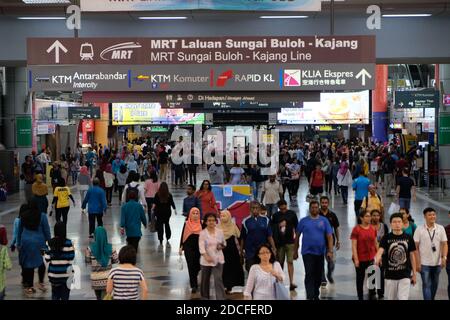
[(160, 263)]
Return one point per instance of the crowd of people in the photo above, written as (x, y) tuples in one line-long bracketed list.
[(212, 243)]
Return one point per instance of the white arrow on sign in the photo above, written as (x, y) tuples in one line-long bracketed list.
[(363, 73), (57, 46)]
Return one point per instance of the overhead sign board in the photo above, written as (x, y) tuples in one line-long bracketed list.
[(428, 98), (80, 113), (201, 50), (267, 77), (161, 5)]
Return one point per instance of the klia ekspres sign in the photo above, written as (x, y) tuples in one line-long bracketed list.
[(242, 5), (197, 51)]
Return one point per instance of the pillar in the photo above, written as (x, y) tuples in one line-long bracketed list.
[(17, 105), (101, 126), (443, 73), (380, 117)]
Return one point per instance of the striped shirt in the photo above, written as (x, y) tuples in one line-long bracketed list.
[(60, 263), (126, 283)]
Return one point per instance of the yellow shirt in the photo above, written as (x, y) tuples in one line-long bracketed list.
[(374, 203), (62, 193)]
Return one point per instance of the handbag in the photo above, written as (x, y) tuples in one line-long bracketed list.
[(281, 292)]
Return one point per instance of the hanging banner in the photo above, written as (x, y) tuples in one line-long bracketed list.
[(23, 132), (163, 5), (444, 129), (201, 50)]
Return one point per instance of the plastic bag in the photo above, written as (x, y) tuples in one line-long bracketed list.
[(394, 207)]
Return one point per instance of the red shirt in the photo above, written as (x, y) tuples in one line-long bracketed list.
[(317, 178), (365, 238)]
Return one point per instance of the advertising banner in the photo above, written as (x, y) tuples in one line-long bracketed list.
[(235, 198), (201, 50), (162, 5), (23, 131), (152, 113), (444, 129), (333, 108), (251, 77)]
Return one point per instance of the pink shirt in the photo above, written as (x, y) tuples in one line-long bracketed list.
[(151, 188), (208, 244)]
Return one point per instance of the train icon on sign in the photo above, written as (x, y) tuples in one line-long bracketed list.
[(86, 52)]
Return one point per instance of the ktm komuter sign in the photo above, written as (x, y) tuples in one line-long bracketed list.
[(223, 63)]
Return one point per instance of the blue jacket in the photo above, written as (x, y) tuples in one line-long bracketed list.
[(116, 166), (131, 216), (189, 203), (95, 199)]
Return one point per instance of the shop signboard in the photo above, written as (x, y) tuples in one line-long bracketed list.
[(88, 125), (80, 113), (201, 50), (447, 100), (444, 129), (428, 98), (165, 78), (46, 128), (23, 131), (163, 5)]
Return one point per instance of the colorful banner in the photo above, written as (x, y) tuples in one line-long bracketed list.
[(235, 198), (152, 113), (169, 5), (333, 108)]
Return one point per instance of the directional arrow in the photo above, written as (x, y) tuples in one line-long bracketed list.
[(363, 73), (57, 46)]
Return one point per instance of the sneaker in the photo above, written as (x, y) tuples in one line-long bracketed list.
[(323, 285)]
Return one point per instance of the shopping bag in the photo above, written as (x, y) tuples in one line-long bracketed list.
[(281, 292), (394, 207)]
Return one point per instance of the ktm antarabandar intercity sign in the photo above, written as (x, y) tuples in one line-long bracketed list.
[(162, 5), (201, 50)]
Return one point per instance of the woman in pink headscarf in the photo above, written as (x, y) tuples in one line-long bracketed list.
[(345, 180), (109, 182), (84, 181)]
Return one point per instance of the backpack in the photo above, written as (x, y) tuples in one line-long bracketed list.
[(131, 189)]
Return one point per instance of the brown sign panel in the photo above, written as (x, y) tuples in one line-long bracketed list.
[(199, 51)]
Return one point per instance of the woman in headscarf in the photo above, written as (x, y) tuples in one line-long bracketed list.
[(33, 233), (345, 180), (40, 191), (189, 244), (233, 273), (109, 183), (101, 256), (84, 182)]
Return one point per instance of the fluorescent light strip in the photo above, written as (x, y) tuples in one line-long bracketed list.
[(412, 15), (41, 18), (162, 18), (45, 1), (284, 17)]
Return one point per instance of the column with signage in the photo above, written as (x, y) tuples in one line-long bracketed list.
[(379, 105), (101, 126), (444, 124)]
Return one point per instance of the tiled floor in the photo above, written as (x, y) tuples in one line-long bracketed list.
[(160, 263)]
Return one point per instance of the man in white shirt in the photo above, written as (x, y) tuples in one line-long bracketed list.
[(272, 192), (135, 182), (432, 248)]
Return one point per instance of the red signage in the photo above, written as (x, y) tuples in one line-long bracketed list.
[(88, 125)]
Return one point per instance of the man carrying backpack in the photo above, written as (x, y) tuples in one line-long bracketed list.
[(373, 201), (134, 186)]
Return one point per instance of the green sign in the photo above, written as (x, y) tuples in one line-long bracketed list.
[(24, 132), (444, 129)]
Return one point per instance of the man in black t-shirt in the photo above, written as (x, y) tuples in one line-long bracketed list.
[(405, 190), (284, 223), (334, 222), (396, 253)]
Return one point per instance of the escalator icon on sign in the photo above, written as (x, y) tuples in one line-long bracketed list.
[(87, 52)]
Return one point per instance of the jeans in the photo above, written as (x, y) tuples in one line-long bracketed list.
[(388, 182), (360, 275), (74, 177), (331, 264), (82, 195), (430, 281), (120, 192), (60, 292), (448, 283), (344, 193), (255, 190), (404, 203), (358, 204), (109, 192), (336, 187), (62, 212), (328, 183), (218, 282), (272, 208), (92, 217), (314, 265)]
